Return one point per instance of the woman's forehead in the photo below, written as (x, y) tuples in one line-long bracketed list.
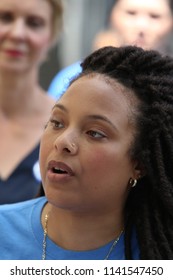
[(94, 93)]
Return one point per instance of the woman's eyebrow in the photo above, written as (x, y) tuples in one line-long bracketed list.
[(91, 117), (59, 106), (102, 118)]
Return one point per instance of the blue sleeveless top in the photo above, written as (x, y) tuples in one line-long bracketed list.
[(24, 182)]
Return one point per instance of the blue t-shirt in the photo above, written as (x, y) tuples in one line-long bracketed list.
[(21, 237)]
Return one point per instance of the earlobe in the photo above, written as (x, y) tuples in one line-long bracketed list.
[(136, 176), (139, 171)]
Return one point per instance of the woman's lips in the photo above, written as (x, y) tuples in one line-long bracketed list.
[(14, 53), (58, 171), (57, 165)]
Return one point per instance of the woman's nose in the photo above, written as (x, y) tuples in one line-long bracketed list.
[(18, 30), (66, 144), (142, 23)]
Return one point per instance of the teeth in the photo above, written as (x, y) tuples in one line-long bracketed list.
[(59, 170)]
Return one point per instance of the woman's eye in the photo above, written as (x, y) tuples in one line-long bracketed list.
[(130, 12), (56, 124), (35, 23), (96, 134), (6, 17), (155, 16)]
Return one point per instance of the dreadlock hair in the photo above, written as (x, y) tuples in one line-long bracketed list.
[(149, 207)]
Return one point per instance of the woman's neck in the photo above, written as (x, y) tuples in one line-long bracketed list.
[(78, 232), (18, 93)]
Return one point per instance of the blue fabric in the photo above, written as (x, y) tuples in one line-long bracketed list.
[(21, 237), (24, 182), (62, 79)]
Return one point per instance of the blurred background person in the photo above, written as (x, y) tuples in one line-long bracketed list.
[(28, 29), (145, 23)]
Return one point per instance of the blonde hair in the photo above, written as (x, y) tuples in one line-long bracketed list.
[(57, 17)]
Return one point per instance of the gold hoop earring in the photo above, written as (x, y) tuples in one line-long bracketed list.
[(132, 182)]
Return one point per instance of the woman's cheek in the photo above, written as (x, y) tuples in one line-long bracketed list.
[(98, 159)]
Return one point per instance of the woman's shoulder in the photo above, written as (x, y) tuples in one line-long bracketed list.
[(19, 207)]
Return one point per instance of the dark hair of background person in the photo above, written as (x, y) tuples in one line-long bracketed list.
[(149, 208)]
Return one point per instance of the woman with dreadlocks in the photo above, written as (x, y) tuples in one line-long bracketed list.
[(106, 160)]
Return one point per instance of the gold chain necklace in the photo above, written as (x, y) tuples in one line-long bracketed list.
[(45, 240)]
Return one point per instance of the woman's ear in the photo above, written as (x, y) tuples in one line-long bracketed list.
[(139, 170)]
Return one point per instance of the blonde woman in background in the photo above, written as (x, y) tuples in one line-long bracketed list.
[(28, 30)]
